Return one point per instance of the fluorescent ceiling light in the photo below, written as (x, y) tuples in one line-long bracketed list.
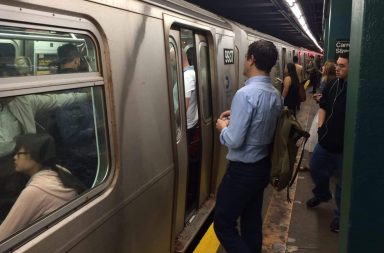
[(290, 2), (302, 21), (296, 10)]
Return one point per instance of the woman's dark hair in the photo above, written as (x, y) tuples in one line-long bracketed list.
[(264, 53), (292, 73), (41, 148)]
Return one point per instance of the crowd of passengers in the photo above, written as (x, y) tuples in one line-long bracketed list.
[(247, 130), (39, 133)]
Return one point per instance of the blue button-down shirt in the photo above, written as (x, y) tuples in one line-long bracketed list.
[(255, 110)]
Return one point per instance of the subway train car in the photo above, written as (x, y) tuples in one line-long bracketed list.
[(105, 79)]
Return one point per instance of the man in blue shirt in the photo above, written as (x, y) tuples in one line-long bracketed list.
[(247, 130)]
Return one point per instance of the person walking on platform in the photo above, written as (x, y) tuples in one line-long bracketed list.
[(328, 154), (314, 72), (247, 130), (299, 69)]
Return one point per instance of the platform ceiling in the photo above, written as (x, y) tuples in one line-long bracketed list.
[(271, 17)]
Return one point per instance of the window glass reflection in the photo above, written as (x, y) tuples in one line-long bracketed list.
[(53, 147), (25, 52)]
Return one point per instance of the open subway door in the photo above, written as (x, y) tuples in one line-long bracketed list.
[(192, 107)]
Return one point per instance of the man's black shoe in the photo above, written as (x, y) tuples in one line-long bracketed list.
[(335, 226), (313, 202)]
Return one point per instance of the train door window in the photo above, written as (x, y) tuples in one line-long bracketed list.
[(283, 59), (175, 85), (206, 124), (77, 159), (205, 82), (275, 74), (29, 51), (289, 56), (237, 66), (305, 65)]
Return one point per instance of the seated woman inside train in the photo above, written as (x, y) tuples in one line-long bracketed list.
[(49, 187)]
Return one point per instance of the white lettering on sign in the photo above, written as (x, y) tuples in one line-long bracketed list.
[(229, 57), (342, 46)]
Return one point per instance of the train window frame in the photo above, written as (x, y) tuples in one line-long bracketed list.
[(23, 85), (205, 89)]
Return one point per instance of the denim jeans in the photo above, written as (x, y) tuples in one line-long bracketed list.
[(323, 164), (240, 195)]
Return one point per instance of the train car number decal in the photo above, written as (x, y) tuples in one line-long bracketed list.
[(229, 57)]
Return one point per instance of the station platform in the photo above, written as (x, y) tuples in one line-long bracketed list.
[(291, 227)]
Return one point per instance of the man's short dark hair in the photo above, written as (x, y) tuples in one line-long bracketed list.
[(67, 53), (191, 56), (295, 59), (264, 53), (344, 55)]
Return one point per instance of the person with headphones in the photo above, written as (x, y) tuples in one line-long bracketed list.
[(327, 156)]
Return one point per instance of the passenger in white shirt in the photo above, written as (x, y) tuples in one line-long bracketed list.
[(190, 87)]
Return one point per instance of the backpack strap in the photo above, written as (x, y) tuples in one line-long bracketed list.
[(305, 136)]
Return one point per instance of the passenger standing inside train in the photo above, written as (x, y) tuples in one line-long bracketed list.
[(328, 154), (190, 89), (49, 188), (192, 113), (75, 135), (291, 88), (193, 127), (69, 59), (247, 130)]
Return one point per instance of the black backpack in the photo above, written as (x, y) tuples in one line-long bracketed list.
[(284, 151)]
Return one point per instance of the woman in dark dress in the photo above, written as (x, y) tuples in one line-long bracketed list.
[(291, 88)]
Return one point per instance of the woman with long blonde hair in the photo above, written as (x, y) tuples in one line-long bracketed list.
[(328, 75)]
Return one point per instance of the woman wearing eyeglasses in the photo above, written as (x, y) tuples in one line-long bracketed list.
[(49, 187)]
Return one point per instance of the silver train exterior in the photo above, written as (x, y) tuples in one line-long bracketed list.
[(138, 201)]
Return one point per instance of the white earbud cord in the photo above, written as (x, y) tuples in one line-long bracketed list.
[(333, 106)]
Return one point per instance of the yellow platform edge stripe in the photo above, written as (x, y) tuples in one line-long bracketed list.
[(209, 243)]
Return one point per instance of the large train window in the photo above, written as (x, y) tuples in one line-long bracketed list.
[(37, 177), (26, 51), (53, 137)]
